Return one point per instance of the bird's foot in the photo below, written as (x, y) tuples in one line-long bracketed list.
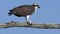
[(29, 22)]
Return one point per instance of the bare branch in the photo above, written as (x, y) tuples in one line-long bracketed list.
[(20, 24)]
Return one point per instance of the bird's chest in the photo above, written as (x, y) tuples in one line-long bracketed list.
[(35, 8)]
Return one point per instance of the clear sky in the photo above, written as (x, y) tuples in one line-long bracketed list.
[(48, 13)]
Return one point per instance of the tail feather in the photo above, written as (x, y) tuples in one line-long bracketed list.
[(10, 13)]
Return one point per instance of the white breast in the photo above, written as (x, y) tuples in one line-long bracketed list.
[(36, 8)]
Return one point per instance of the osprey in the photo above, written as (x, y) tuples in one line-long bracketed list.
[(24, 11)]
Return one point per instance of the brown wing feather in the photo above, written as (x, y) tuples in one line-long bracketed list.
[(23, 11)]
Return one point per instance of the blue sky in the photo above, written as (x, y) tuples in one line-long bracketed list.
[(48, 13)]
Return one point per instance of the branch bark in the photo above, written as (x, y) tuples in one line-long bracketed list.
[(20, 24)]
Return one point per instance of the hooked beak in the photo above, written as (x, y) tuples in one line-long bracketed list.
[(38, 6)]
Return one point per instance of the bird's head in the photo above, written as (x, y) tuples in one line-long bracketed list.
[(36, 5)]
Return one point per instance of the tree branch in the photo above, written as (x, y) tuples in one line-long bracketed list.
[(20, 24)]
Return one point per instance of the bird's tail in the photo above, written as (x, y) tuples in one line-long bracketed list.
[(10, 12)]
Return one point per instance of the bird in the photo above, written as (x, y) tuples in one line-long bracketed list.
[(24, 11)]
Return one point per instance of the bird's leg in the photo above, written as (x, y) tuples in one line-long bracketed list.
[(28, 21)]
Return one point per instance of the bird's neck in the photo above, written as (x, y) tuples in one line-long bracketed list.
[(36, 8)]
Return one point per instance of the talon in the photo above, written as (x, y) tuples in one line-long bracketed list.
[(29, 23)]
